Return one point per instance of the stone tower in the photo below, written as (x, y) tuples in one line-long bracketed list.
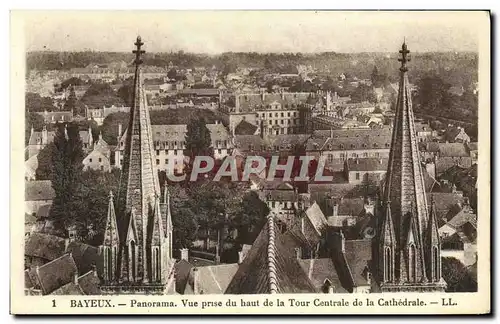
[(409, 251), (137, 246)]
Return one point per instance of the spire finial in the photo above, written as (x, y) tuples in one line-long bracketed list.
[(138, 52), (404, 56)]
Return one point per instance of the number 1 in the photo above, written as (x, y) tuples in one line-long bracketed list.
[(53, 303)]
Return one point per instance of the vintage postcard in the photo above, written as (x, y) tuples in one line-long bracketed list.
[(250, 162)]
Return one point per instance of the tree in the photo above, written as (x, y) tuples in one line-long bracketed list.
[(90, 203), (35, 103), (109, 127), (70, 103), (101, 94), (363, 93), (125, 92), (252, 213), (457, 276), (67, 159), (198, 141), (44, 157), (172, 74)]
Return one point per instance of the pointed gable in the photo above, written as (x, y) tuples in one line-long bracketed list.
[(388, 237), (111, 235), (270, 267)]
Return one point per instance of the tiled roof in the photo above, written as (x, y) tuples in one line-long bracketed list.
[(38, 190), (212, 279), (57, 273), (200, 92), (68, 289), (270, 267), (472, 146), (43, 211), (319, 270), (270, 143), (367, 164), (453, 150), (462, 218), (89, 283), (245, 128), (182, 270), (45, 246), (84, 256), (218, 132), (358, 254), (316, 217), (447, 203), (32, 163)]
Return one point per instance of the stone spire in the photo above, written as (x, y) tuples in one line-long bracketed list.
[(139, 185), (404, 190)]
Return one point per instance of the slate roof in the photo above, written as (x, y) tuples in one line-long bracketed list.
[(447, 203), (57, 273), (270, 267), (45, 246), (367, 164), (316, 217), (87, 284), (38, 190), (32, 163), (319, 270), (218, 132), (257, 101), (472, 146), (364, 142), (270, 143)]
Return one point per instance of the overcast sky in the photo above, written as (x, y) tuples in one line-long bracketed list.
[(260, 31)]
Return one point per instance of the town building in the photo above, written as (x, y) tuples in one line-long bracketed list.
[(99, 157), (408, 242), (137, 246), (52, 117), (37, 193), (170, 143), (40, 139)]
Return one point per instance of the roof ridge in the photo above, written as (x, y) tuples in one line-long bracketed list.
[(271, 256)]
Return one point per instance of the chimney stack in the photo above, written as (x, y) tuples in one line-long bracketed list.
[(240, 257), (184, 254), (335, 209), (119, 131), (298, 253), (75, 278)]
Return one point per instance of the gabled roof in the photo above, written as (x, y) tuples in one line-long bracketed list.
[(38, 190), (45, 246), (57, 273), (245, 128), (270, 267), (182, 271), (367, 164), (43, 211), (320, 270), (358, 254), (453, 150), (84, 256), (316, 217)]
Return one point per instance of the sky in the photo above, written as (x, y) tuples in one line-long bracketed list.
[(214, 32)]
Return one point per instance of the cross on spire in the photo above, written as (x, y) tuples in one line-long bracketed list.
[(405, 57), (138, 52)]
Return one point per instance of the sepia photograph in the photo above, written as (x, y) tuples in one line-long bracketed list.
[(323, 156)]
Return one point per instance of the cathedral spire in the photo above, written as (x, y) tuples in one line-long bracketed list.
[(404, 190)]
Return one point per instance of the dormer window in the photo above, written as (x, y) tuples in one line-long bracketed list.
[(353, 146), (341, 146), (387, 144), (375, 145)]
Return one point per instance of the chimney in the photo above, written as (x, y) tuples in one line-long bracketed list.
[(44, 135), (262, 130), (331, 289), (298, 253), (328, 101), (236, 103), (32, 130), (75, 278), (240, 257), (119, 132), (335, 209), (282, 94), (302, 225), (331, 132), (263, 95), (185, 254), (196, 280)]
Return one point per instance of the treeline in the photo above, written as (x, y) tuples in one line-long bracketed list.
[(449, 66)]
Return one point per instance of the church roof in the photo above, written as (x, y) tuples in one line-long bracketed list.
[(270, 267)]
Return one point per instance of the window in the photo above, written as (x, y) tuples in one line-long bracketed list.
[(157, 152), (157, 161), (354, 155), (90, 160), (100, 159), (273, 204), (102, 167), (275, 114), (132, 259), (412, 262), (377, 154), (357, 175), (388, 265), (270, 122), (342, 155), (175, 152), (288, 112), (270, 115), (282, 114), (330, 158), (110, 263), (276, 122), (365, 154), (166, 161), (282, 122)]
